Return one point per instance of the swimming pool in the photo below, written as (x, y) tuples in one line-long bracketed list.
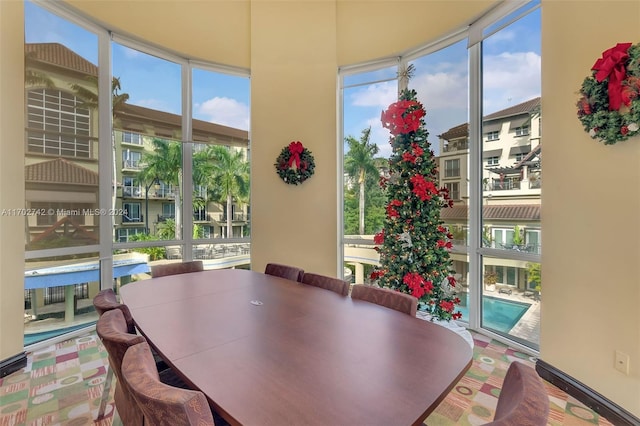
[(31, 338), (497, 314)]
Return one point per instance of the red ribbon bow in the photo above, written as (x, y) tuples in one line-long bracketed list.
[(295, 149), (612, 65)]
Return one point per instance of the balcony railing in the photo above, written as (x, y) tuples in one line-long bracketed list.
[(459, 146), (505, 185), (236, 217), (132, 219), (202, 217), (132, 165), (163, 218), (132, 191)]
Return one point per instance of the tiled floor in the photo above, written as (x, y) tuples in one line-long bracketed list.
[(62, 385)]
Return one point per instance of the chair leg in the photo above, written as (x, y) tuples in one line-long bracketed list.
[(105, 393)]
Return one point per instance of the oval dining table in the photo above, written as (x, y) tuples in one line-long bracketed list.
[(270, 351)]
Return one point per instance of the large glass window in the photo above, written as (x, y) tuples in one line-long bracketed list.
[(366, 150), (502, 197), (145, 142), (511, 205), (61, 175)]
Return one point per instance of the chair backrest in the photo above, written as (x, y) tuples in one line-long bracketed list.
[(106, 300), (176, 268), (523, 398), (386, 297), (112, 330), (161, 404), (328, 283), (284, 271)]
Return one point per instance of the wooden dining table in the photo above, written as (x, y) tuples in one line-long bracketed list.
[(270, 351)]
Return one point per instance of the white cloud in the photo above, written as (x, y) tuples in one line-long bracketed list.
[(376, 95), (509, 79), (225, 111)]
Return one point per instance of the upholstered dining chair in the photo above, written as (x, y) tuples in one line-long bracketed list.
[(328, 283), (161, 404), (386, 297), (523, 399), (284, 271), (113, 331), (106, 300), (176, 268)]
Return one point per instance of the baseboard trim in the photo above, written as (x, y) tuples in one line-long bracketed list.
[(592, 399), (13, 364)]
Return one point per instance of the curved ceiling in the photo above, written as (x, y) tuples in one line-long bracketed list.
[(220, 31)]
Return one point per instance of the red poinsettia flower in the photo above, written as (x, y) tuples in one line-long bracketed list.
[(422, 188), (417, 151), (452, 281), (402, 117), (457, 315), (408, 157), (446, 305), (377, 274), (379, 238), (624, 130), (442, 229)]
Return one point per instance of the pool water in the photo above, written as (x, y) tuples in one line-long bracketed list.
[(497, 314), (31, 338)]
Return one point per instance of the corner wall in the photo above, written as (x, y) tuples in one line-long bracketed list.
[(293, 98), (590, 209), (11, 178)]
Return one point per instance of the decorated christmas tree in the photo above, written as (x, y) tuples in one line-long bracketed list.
[(414, 245)]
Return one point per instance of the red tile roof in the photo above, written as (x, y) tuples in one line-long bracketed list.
[(495, 212), (60, 171), (523, 108), (520, 109), (60, 55)]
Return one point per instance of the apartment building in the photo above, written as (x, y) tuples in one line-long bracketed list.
[(62, 158), (511, 189)]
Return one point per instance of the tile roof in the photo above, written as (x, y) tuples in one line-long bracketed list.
[(495, 212), (60, 55), (523, 108), (60, 171), (520, 109), (134, 114), (455, 132)]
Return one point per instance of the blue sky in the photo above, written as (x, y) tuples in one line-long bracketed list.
[(511, 74)]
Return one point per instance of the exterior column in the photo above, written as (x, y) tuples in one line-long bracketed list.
[(359, 273), (69, 305)]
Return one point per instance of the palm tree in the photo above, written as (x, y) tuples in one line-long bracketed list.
[(89, 95), (359, 163), (229, 178), (165, 164), (33, 77)]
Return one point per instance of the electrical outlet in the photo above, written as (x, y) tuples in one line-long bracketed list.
[(622, 362)]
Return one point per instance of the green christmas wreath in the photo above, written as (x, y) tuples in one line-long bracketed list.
[(295, 164), (609, 105)]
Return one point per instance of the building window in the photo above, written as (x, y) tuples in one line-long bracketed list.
[(57, 124), (131, 213), (131, 159), (493, 136), (123, 234), (522, 131), (168, 209), (520, 157), (132, 138), (452, 168), (493, 161), (454, 190), (130, 187)]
